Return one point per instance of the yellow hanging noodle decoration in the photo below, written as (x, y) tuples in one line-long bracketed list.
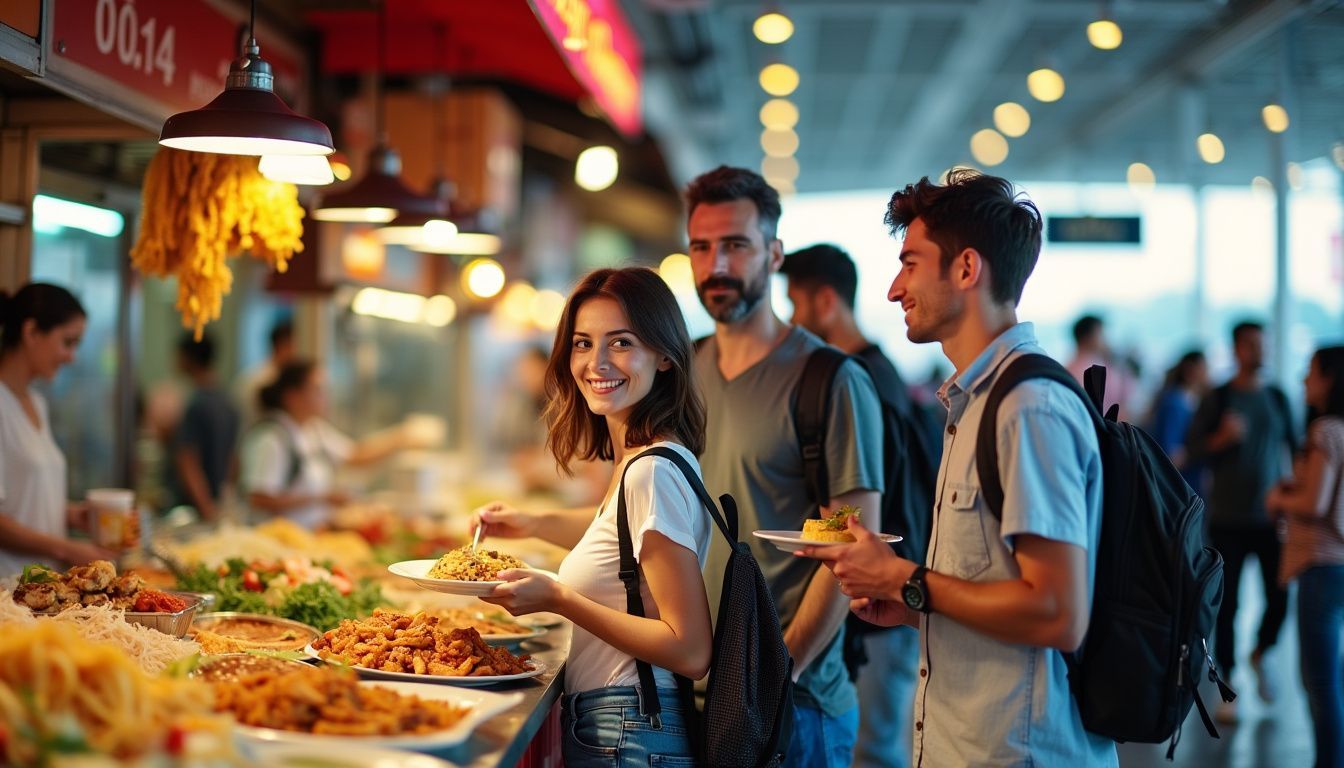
[(197, 210)]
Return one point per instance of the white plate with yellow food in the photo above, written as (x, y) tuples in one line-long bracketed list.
[(792, 541), (461, 571), (496, 626), (820, 532), (464, 710), (535, 668)]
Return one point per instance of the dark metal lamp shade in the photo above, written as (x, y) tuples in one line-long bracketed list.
[(378, 197)]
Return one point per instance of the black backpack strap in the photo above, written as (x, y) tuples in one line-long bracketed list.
[(1094, 385), (809, 419), (1033, 366), (629, 573)]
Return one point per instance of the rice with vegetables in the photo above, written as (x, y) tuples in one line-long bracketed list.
[(462, 564)]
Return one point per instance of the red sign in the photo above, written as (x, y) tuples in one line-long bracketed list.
[(602, 52), (158, 57)]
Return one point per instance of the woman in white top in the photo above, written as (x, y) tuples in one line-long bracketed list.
[(40, 327), (290, 458), (619, 381)]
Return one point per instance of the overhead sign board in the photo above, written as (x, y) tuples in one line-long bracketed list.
[(602, 51), (1123, 230)]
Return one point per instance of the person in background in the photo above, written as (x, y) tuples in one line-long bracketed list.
[(1312, 505), (40, 328), (823, 282), (204, 443), (998, 601), (1089, 337), (619, 381), (248, 388), (748, 373), (291, 457), (1243, 432), (1174, 407)]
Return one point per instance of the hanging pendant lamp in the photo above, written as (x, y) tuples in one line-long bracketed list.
[(247, 118), (380, 195)]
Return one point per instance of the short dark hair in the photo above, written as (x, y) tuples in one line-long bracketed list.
[(1331, 362), (1086, 327), (281, 333), (1244, 327), (823, 264), (975, 210), (726, 184), (672, 408), (1180, 374), (46, 304), (292, 375), (199, 353)]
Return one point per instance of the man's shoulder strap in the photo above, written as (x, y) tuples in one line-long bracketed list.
[(809, 418)]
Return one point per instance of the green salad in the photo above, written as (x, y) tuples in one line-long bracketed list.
[(318, 594)]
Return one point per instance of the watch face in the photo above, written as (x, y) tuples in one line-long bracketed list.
[(913, 596)]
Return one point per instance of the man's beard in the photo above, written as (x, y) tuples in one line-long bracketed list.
[(728, 310)]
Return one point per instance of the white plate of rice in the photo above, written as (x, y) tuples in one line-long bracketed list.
[(418, 572)]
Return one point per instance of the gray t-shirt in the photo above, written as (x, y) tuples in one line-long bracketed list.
[(209, 427), (1243, 473), (751, 452)]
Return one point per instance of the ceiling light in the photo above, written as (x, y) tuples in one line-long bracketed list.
[(1105, 34), (779, 143), (779, 114), (515, 306), (310, 170), (1210, 148), (597, 168), (340, 165), (475, 236), (1012, 119), (779, 79), (1140, 176), (1261, 184), (247, 118), (51, 214), (374, 199), (483, 278), (1046, 84), (675, 270), (422, 217), (989, 147), (1275, 117), (772, 28), (547, 307), (439, 311), (780, 168)]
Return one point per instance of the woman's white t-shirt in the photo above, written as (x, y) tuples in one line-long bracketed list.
[(32, 476), (657, 498), (270, 450)]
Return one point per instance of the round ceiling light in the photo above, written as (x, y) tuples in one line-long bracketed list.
[(1045, 84), (1105, 34), (989, 147), (779, 79), (597, 168), (781, 168), (1139, 175), (779, 114), (1210, 148), (1275, 117), (1012, 119), (772, 28), (779, 143)]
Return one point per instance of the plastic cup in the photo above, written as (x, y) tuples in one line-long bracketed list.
[(115, 519)]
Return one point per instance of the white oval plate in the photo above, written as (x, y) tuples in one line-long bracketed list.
[(418, 572), (542, 618), (484, 705), (791, 541), (538, 668), (333, 755)]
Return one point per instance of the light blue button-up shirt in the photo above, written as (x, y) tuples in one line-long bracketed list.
[(980, 701)]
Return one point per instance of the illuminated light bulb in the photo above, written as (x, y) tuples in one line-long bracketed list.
[(1275, 117), (309, 170), (675, 270), (483, 278), (1140, 176), (1012, 119), (783, 168), (547, 307), (779, 143), (1045, 84), (438, 233), (1261, 184), (1211, 148), (1105, 34), (515, 306), (597, 168), (439, 311), (989, 147), (340, 168), (779, 79), (772, 28), (779, 114)]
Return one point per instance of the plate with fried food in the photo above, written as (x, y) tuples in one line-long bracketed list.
[(460, 571), (823, 532), (496, 627), (332, 705), (421, 648)]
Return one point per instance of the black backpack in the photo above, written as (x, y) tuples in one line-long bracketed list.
[(748, 712), (1158, 587), (911, 449)]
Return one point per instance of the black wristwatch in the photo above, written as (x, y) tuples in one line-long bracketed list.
[(915, 593)]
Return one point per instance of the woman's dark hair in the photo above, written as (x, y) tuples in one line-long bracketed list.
[(293, 375), (672, 409), (1179, 375), (1330, 361), (48, 305), (975, 210)]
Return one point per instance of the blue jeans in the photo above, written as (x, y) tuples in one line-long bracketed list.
[(604, 727), (1320, 618), (819, 740), (886, 688)]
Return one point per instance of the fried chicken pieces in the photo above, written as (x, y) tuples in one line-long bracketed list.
[(94, 584), (417, 644)]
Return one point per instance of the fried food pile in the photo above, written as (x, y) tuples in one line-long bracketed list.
[(417, 644), (486, 623), (462, 564), (323, 700), (97, 583)]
